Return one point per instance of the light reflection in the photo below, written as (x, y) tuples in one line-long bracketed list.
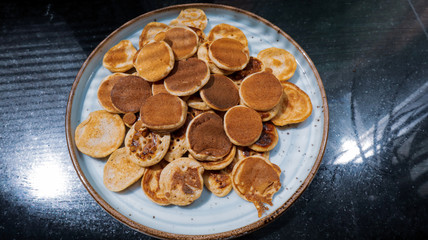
[(48, 180)]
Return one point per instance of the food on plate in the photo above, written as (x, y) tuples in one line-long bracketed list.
[(220, 93), (183, 42), (150, 31), (243, 125), (268, 115), (203, 55), (261, 91), (129, 93), (219, 164), (151, 185), (228, 54), (195, 102), (104, 91), (218, 182), (256, 180), (244, 152), (100, 134), (120, 172), (295, 108), (267, 140), (178, 145), (282, 62), (254, 65), (224, 30), (129, 119), (192, 17), (181, 181), (154, 61), (119, 57)]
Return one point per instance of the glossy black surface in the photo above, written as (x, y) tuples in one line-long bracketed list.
[(371, 55)]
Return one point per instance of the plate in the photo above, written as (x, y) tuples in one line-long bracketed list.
[(298, 153)]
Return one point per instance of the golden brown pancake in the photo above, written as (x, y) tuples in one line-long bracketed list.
[(183, 42), (129, 93), (261, 91), (187, 77), (224, 30), (151, 185), (243, 125), (218, 182), (104, 91), (254, 65), (268, 115), (267, 140), (282, 62), (119, 57), (256, 180), (296, 106), (244, 152), (220, 93), (120, 172), (100, 134), (196, 102), (181, 181), (192, 17), (150, 31), (195, 112), (206, 137), (154, 61), (178, 146), (220, 164), (129, 119), (146, 147), (203, 55), (201, 35), (228, 54), (158, 87)]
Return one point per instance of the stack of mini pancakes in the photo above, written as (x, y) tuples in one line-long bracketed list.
[(200, 111)]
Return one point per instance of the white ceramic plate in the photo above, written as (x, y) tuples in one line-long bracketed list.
[(298, 153)]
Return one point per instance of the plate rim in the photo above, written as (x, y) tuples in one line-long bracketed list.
[(227, 234)]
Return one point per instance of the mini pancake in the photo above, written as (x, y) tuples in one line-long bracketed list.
[(220, 93), (244, 152), (129, 93), (218, 182), (261, 91), (100, 134), (145, 147), (183, 42), (194, 112), (224, 30), (181, 181), (268, 115), (154, 61), (228, 54), (150, 31), (192, 17), (254, 65), (163, 112), (129, 119), (267, 140), (120, 172), (203, 55), (119, 57), (158, 87), (201, 35), (151, 185), (187, 77), (256, 180), (104, 90), (243, 125), (196, 102), (282, 62), (206, 137), (178, 146), (220, 164), (296, 106)]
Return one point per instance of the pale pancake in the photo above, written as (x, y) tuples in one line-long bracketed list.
[(183, 42), (256, 180), (196, 102), (254, 65), (129, 119), (267, 140), (181, 181), (187, 77), (120, 172), (119, 57), (296, 106), (158, 87), (224, 30), (243, 125), (282, 62), (206, 137), (151, 185), (146, 147), (154, 61), (244, 152), (220, 93), (129, 93), (261, 91), (218, 182), (192, 17), (178, 146), (100, 134), (150, 31), (163, 112), (220, 164), (203, 55), (268, 115), (104, 90), (228, 54)]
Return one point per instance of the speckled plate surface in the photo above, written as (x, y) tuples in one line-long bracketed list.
[(298, 153)]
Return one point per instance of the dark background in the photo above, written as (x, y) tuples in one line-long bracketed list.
[(372, 57)]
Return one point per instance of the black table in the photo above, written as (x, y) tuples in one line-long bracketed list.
[(371, 55)]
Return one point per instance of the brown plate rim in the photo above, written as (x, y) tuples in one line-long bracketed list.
[(228, 234)]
